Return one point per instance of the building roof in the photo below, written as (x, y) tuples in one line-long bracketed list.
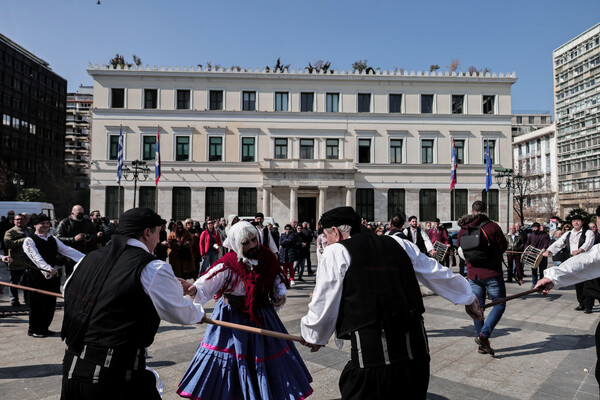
[(545, 131)]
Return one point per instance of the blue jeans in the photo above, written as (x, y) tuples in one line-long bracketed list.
[(496, 289), (300, 266), (209, 259)]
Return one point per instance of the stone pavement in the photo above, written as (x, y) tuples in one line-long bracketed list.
[(544, 350)]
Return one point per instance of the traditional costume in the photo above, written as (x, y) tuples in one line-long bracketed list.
[(231, 364)]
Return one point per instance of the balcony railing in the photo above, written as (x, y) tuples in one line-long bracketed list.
[(304, 164)]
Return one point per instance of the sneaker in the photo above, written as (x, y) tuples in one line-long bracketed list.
[(484, 343), (292, 283), (481, 350), (579, 308)]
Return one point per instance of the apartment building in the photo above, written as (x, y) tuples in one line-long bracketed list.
[(527, 121), (77, 142), (293, 144)]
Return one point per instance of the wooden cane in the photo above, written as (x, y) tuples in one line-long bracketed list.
[(514, 296), (252, 329), (31, 289)]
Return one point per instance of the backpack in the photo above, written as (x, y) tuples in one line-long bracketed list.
[(476, 245)]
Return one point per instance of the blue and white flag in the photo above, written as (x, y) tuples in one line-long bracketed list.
[(157, 158), (488, 167), (120, 156)]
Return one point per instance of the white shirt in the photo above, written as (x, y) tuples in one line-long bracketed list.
[(34, 255), (319, 324), (165, 291), (272, 245), (410, 232), (573, 241), (582, 267)]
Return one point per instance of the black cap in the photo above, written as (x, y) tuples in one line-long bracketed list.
[(577, 216), (341, 216), (259, 214), (137, 219), (535, 225), (39, 218)]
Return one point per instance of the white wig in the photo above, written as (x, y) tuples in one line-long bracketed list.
[(239, 234)]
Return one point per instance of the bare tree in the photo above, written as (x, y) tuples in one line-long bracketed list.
[(473, 70), (454, 65), (525, 190), (360, 65)]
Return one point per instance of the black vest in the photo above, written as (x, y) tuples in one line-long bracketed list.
[(420, 242), (48, 249), (123, 315), (380, 287), (567, 253)]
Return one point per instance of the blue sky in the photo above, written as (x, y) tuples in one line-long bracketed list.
[(504, 36)]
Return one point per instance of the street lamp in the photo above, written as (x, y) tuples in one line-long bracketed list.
[(137, 168), (511, 180), (19, 183)]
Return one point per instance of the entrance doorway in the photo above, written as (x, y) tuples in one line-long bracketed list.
[(307, 210)]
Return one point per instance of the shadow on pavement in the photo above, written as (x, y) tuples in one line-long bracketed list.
[(156, 364), (552, 343), (432, 396), (29, 371)]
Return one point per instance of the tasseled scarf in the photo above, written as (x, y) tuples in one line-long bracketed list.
[(258, 281)]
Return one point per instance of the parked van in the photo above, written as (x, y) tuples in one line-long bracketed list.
[(29, 207)]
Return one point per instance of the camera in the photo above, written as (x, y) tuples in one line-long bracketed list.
[(87, 236)]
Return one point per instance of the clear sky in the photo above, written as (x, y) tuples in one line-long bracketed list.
[(503, 35)]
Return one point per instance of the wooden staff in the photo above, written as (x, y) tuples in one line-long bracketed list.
[(524, 252), (205, 320), (252, 329), (514, 296)]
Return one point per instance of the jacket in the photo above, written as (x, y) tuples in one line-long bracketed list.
[(13, 239), (288, 247), (518, 244), (497, 241), (205, 241)]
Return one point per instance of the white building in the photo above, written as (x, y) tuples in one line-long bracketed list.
[(77, 151), (534, 155), (294, 144), (576, 107)]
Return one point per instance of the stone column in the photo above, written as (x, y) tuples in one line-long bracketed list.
[(293, 203), (322, 194), (350, 196), (412, 203), (444, 204), (231, 201), (199, 204), (266, 201)]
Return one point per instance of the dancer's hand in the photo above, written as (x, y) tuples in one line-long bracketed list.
[(313, 347), (545, 285), (279, 302), (474, 310), (188, 288)]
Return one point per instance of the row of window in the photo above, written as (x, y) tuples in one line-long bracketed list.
[(181, 200), (578, 50), (16, 123), (281, 149), (307, 101)]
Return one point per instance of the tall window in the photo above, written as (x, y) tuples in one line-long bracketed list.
[(489, 106), (215, 200), (396, 202), (491, 199), (332, 147), (531, 119), (281, 150), (215, 148), (117, 98), (364, 102), (427, 204), (112, 202), (216, 99), (519, 119), (150, 98), (248, 149), (149, 147), (307, 149), (395, 103), (364, 150), (183, 99), (459, 199), (396, 151), (182, 148), (365, 204), (543, 119), (148, 197), (332, 101), (281, 101), (113, 147), (460, 151), (248, 101), (306, 101), (181, 203), (458, 104), (426, 151), (426, 103), (247, 201), (492, 150)]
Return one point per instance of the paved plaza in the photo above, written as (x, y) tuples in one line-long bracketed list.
[(544, 350)]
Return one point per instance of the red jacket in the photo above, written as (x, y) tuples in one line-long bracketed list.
[(205, 241), (497, 239), (438, 235)]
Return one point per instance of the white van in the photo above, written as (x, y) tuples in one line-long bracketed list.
[(29, 207)]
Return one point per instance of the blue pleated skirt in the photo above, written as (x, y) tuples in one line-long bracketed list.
[(233, 364)]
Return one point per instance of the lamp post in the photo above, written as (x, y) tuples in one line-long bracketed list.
[(505, 178), (19, 183), (138, 167)]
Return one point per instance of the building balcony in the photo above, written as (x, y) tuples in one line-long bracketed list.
[(297, 165)]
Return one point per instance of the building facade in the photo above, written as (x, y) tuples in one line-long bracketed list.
[(528, 121), (534, 155), (293, 144), (32, 104), (77, 141), (576, 110)]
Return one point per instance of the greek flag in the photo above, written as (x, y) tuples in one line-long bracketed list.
[(488, 167), (157, 164), (453, 166), (120, 156)]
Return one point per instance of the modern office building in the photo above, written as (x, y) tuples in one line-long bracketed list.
[(534, 155), (576, 110), (32, 104), (293, 144), (527, 121), (77, 139)]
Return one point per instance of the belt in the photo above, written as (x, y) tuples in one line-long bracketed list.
[(113, 358)]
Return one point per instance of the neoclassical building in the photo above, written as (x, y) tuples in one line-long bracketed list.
[(293, 144)]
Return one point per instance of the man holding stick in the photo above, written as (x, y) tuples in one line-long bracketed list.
[(114, 301), (367, 291)]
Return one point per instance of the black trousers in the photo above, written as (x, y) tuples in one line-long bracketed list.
[(402, 380), (41, 306), (15, 278)]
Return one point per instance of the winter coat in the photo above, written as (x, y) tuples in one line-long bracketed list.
[(289, 247)]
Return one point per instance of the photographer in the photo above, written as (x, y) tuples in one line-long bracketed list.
[(77, 232)]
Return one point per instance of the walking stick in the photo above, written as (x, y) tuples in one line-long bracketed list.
[(514, 296), (205, 320)]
